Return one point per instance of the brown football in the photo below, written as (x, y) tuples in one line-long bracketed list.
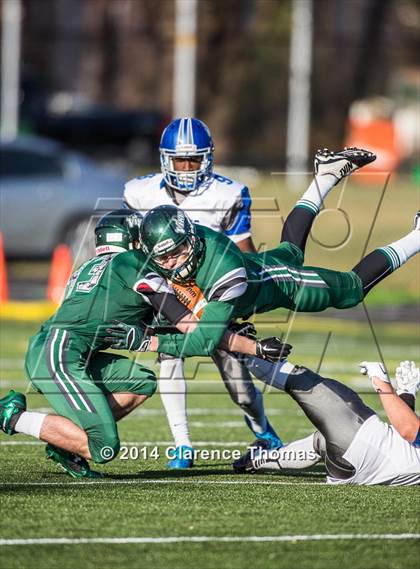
[(192, 297)]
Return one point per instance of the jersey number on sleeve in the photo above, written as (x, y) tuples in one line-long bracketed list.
[(95, 273)]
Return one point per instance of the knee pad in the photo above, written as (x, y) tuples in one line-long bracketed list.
[(320, 444)]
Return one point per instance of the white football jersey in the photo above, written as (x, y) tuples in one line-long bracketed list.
[(219, 203), (380, 455)]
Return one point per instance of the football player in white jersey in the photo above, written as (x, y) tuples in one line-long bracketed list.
[(187, 180), (357, 447)]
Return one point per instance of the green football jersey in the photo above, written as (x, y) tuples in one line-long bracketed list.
[(111, 287), (226, 274), (237, 285)]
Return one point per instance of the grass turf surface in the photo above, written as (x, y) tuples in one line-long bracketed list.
[(140, 498)]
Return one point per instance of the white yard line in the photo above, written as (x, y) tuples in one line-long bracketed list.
[(206, 538), (86, 483)]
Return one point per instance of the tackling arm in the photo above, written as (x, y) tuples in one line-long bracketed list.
[(206, 336), (230, 342), (399, 413), (401, 417)]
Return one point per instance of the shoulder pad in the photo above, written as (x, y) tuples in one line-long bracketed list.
[(224, 181)]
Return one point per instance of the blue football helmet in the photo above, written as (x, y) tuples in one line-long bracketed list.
[(183, 138)]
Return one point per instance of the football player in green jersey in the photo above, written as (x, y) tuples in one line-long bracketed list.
[(89, 389), (236, 284)]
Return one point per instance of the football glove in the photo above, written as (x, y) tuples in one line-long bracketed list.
[(407, 378), (272, 349), (127, 337), (374, 369), (246, 329)]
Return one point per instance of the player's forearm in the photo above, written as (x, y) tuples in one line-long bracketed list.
[(188, 323), (230, 343), (235, 343), (201, 342), (401, 417), (206, 336), (246, 245)]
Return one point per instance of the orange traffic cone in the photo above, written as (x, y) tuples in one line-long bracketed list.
[(61, 268), (4, 292)]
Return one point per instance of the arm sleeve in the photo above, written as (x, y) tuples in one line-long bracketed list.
[(160, 295), (205, 338), (167, 305)]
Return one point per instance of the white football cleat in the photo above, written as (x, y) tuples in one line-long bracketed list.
[(407, 378), (341, 164)]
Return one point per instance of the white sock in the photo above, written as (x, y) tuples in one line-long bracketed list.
[(294, 456), (400, 251), (30, 423), (318, 190), (173, 389), (269, 373)]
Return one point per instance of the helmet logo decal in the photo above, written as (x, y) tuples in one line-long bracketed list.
[(163, 246), (180, 222), (187, 148), (114, 237)]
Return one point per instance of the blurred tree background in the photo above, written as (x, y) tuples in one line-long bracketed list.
[(121, 52)]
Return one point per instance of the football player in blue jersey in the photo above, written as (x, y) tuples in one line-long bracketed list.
[(188, 181)]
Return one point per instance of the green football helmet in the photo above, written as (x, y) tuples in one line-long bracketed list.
[(163, 230), (118, 231)]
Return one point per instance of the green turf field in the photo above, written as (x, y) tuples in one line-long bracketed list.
[(208, 517)]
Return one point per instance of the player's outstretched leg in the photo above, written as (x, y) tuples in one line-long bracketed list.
[(297, 455), (383, 261), (330, 168), (173, 390), (249, 398), (334, 409)]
